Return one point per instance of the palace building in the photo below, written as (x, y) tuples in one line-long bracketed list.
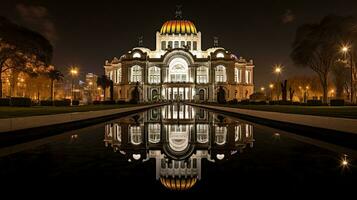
[(178, 69)]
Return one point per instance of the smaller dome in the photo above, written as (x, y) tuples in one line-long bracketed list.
[(178, 184), (178, 27)]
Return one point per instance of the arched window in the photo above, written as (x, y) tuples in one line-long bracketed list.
[(135, 135), (202, 133), (154, 133), (248, 76), (221, 135), (136, 55), (237, 75), (136, 74), (154, 75), (220, 55), (201, 93), (178, 70), (221, 74), (118, 76), (238, 133), (202, 75)]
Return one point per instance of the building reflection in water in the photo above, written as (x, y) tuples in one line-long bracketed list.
[(178, 138)]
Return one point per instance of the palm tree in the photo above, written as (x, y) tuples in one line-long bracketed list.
[(54, 75), (103, 82)]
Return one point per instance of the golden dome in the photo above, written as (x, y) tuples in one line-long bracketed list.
[(178, 27), (178, 184)]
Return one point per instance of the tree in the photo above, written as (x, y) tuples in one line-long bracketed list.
[(221, 95), (316, 46), (284, 90), (21, 49), (104, 83), (54, 75), (135, 94)]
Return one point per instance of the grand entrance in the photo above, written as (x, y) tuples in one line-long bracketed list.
[(178, 93)]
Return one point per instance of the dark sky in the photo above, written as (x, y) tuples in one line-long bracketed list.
[(86, 33)]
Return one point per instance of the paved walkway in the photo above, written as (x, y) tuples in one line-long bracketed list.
[(21, 123), (331, 123)]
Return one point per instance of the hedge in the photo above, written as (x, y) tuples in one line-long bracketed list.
[(20, 101), (5, 102)]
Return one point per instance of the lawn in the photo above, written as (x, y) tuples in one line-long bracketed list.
[(9, 112), (343, 111)]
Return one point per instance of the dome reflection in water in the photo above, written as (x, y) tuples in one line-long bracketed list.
[(178, 137)]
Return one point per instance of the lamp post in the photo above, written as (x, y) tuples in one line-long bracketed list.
[(347, 51), (277, 71), (271, 86), (74, 72)]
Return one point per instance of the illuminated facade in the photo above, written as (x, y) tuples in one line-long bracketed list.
[(179, 69), (178, 138)]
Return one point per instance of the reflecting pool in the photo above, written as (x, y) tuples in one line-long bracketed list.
[(179, 148)]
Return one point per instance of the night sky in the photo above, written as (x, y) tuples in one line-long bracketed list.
[(86, 33)]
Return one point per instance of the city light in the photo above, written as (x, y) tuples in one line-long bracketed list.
[(262, 89), (271, 86), (278, 69), (345, 48)]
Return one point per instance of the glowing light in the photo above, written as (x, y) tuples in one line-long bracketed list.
[(278, 69), (271, 86), (220, 156), (262, 89), (345, 48), (74, 71), (136, 156), (307, 87), (220, 55), (344, 161), (137, 55)]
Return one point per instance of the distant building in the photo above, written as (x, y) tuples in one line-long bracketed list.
[(179, 69)]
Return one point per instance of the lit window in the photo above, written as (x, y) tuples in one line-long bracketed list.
[(248, 77), (154, 75), (178, 70), (136, 74), (202, 75), (136, 55), (238, 75), (202, 133), (220, 55), (135, 135), (221, 74), (170, 44), (118, 76), (221, 135), (154, 133)]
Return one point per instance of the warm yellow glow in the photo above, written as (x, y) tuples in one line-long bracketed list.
[(99, 88), (278, 69), (271, 86), (344, 162), (262, 89), (90, 83), (345, 49), (307, 87), (332, 91), (300, 87), (74, 71)]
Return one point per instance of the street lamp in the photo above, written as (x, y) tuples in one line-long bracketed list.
[(345, 49), (271, 86), (278, 70), (73, 72)]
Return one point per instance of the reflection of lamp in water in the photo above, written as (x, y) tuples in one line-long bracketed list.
[(344, 162)]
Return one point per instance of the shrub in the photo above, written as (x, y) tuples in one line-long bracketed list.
[(75, 103), (46, 103), (96, 102), (65, 102), (337, 102), (108, 102), (244, 102), (314, 103), (121, 102), (20, 101), (4, 102), (234, 101)]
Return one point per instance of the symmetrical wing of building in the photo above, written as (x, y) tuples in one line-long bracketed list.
[(178, 138), (179, 69)]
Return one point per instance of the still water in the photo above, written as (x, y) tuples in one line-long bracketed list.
[(179, 148)]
